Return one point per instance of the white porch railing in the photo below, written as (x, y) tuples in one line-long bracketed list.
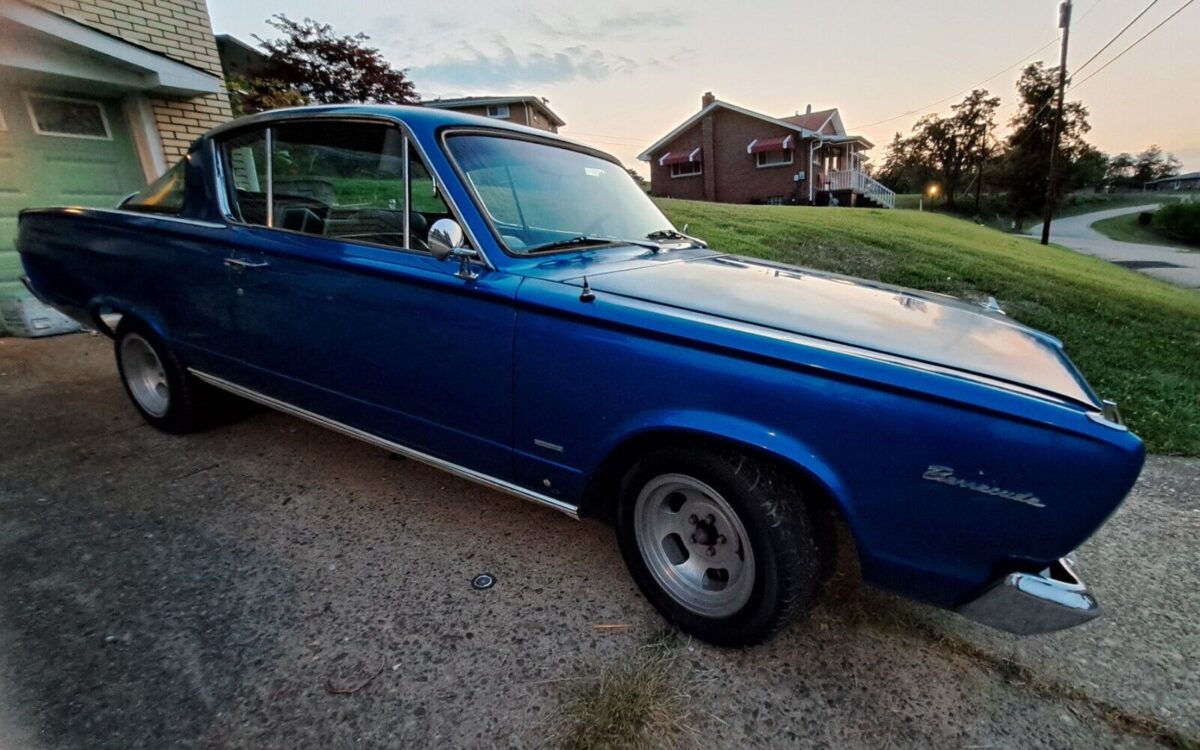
[(852, 179)]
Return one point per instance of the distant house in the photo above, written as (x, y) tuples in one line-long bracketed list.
[(1189, 181), (239, 59), (730, 154), (532, 111)]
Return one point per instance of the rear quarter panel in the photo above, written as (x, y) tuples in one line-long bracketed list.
[(590, 376)]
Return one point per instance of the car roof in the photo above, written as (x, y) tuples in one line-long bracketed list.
[(416, 116)]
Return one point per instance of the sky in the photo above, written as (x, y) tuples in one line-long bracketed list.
[(623, 74)]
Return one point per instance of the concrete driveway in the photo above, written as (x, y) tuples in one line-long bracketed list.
[(1180, 267), (220, 589)]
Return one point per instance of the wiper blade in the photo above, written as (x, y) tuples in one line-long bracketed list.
[(672, 234), (584, 239)]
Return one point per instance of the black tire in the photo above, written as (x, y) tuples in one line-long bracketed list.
[(790, 554), (185, 393)]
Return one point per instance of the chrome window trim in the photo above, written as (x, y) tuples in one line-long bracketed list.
[(214, 142), (439, 463)]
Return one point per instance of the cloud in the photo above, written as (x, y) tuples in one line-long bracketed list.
[(506, 68), (623, 24)]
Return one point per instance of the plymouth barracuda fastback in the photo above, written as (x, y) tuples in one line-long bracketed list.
[(507, 305)]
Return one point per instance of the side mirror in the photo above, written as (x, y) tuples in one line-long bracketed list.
[(445, 236), (445, 241)]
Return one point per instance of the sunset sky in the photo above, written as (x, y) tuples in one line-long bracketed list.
[(624, 74)]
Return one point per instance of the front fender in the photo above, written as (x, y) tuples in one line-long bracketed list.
[(724, 428)]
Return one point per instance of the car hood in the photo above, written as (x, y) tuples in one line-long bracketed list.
[(921, 326)]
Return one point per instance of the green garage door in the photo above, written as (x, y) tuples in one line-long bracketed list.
[(58, 149)]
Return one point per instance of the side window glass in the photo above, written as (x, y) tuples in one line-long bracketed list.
[(245, 160), (164, 195), (427, 203), (335, 179)]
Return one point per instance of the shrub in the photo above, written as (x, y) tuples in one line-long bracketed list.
[(1179, 221), (1144, 218)]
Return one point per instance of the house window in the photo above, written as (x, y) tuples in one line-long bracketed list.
[(68, 118), (775, 158), (499, 111), (687, 169), (775, 200)]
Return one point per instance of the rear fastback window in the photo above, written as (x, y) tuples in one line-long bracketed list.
[(163, 196)]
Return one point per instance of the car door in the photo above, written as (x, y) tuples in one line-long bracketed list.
[(336, 313)]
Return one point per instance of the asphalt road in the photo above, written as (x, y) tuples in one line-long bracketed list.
[(1178, 266), (210, 590)]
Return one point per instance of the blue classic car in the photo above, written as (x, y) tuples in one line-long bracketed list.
[(507, 305)]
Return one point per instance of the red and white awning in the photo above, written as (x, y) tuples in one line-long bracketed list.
[(782, 143), (680, 157)]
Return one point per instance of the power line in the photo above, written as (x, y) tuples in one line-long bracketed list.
[(1139, 41), (960, 93), (1023, 60), (1073, 85), (1118, 36)]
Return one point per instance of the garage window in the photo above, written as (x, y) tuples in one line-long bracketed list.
[(67, 117)]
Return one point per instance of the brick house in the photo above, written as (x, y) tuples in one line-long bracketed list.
[(531, 111), (730, 154), (97, 97)]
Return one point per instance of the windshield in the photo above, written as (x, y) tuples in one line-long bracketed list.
[(542, 197)]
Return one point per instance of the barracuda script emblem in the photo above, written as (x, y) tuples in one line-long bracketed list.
[(945, 475)]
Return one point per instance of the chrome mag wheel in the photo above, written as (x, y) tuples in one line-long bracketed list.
[(694, 545), (145, 375)]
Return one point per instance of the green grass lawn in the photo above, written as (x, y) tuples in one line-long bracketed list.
[(1136, 339), (1127, 229)]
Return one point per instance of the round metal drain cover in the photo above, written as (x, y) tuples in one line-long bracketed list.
[(483, 581)]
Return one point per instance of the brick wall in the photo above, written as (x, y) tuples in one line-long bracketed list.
[(179, 29), (733, 175)]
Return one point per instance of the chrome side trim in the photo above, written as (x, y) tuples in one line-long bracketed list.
[(354, 432), (1028, 604)]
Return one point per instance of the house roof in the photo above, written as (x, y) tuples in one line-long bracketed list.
[(798, 127), (1173, 178), (485, 101), (815, 120)]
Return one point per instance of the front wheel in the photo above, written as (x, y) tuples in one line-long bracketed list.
[(721, 543)]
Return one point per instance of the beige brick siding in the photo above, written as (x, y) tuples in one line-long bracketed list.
[(179, 29)]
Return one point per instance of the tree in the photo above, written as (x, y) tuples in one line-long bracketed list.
[(255, 94), (1153, 164), (637, 177), (1119, 173), (1027, 160), (946, 149), (1089, 170), (309, 63)]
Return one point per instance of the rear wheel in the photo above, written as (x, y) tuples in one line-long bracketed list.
[(721, 543), (161, 389)]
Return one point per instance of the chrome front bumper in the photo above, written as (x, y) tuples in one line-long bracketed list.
[(1027, 603)]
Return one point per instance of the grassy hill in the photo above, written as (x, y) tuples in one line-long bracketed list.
[(1136, 339)]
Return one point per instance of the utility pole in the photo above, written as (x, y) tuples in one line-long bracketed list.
[(1064, 23)]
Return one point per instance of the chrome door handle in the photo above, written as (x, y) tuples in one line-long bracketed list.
[(239, 263)]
